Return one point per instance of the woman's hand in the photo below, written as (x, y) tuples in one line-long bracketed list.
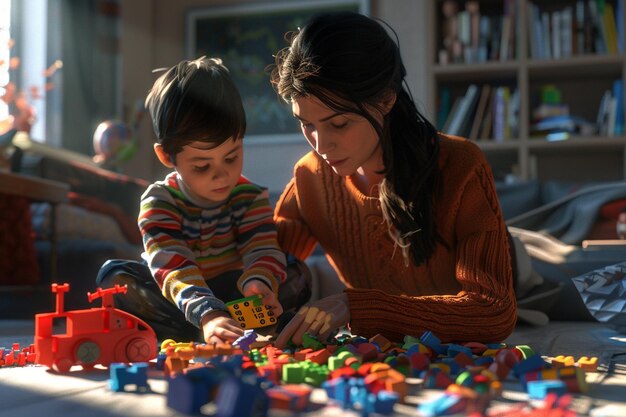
[(219, 327), (270, 299), (319, 318)]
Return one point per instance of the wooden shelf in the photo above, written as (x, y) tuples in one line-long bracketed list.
[(451, 71), (582, 80), (577, 66), (598, 142), (490, 145)]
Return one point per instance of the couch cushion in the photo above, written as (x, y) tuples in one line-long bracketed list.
[(18, 260)]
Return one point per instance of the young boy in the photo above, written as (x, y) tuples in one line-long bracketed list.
[(208, 232)]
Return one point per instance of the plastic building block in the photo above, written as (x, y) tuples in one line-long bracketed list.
[(292, 397), (102, 335), (251, 313), (384, 402), (588, 364), (538, 390), (293, 373), (244, 342), (433, 342), (237, 397), (532, 363), (563, 361), (122, 374), (442, 405), (189, 391), (382, 342)]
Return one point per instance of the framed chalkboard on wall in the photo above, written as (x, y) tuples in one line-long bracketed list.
[(246, 37)]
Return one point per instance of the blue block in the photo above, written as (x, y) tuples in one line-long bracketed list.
[(122, 374), (538, 390), (439, 406), (533, 363), (385, 401), (237, 398)]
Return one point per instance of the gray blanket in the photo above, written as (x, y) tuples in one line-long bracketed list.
[(570, 218)]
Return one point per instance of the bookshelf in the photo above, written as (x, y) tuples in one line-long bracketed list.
[(587, 142)]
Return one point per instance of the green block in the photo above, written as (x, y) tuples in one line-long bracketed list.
[(293, 373), (335, 362)]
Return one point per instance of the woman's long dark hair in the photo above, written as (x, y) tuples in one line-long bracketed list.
[(350, 63)]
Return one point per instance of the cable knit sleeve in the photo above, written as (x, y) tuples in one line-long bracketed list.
[(484, 309), (294, 236)]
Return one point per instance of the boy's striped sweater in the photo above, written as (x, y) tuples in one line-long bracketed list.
[(187, 244)]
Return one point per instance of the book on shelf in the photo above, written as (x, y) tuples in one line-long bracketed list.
[(479, 116), (566, 35), (534, 33), (443, 108), (619, 24), (609, 28), (453, 110), (610, 119), (507, 25), (459, 121), (618, 93), (512, 115), (599, 43), (602, 119), (546, 39), (588, 28), (510, 14), (487, 123), (469, 36), (500, 126), (579, 27)]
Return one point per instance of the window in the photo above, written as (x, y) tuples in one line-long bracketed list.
[(23, 57), (5, 54)]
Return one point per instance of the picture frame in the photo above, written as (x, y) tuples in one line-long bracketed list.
[(246, 37)]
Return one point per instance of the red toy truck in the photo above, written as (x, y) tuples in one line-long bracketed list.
[(93, 336)]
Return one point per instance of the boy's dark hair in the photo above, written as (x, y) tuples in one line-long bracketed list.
[(195, 100)]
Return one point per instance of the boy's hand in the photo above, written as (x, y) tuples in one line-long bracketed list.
[(219, 327), (319, 318), (255, 286)]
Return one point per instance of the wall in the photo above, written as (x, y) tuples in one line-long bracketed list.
[(153, 33)]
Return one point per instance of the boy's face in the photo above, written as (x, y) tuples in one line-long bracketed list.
[(210, 173)]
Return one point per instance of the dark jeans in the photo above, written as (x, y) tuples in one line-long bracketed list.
[(144, 299)]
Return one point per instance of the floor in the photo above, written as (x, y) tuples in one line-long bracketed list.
[(36, 391)]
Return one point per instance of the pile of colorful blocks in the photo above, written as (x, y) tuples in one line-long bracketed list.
[(369, 376)]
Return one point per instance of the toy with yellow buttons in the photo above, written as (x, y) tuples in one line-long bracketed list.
[(251, 313)]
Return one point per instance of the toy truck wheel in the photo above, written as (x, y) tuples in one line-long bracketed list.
[(139, 350), (87, 353), (62, 365)]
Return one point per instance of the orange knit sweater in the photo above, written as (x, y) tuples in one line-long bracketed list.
[(464, 292)]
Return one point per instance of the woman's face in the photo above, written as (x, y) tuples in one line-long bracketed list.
[(346, 141)]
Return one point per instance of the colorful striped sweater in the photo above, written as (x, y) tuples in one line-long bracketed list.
[(187, 244), (464, 293)]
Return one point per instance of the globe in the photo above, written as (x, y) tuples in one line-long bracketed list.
[(110, 138)]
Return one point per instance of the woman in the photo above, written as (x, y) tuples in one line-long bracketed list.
[(408, 217)]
